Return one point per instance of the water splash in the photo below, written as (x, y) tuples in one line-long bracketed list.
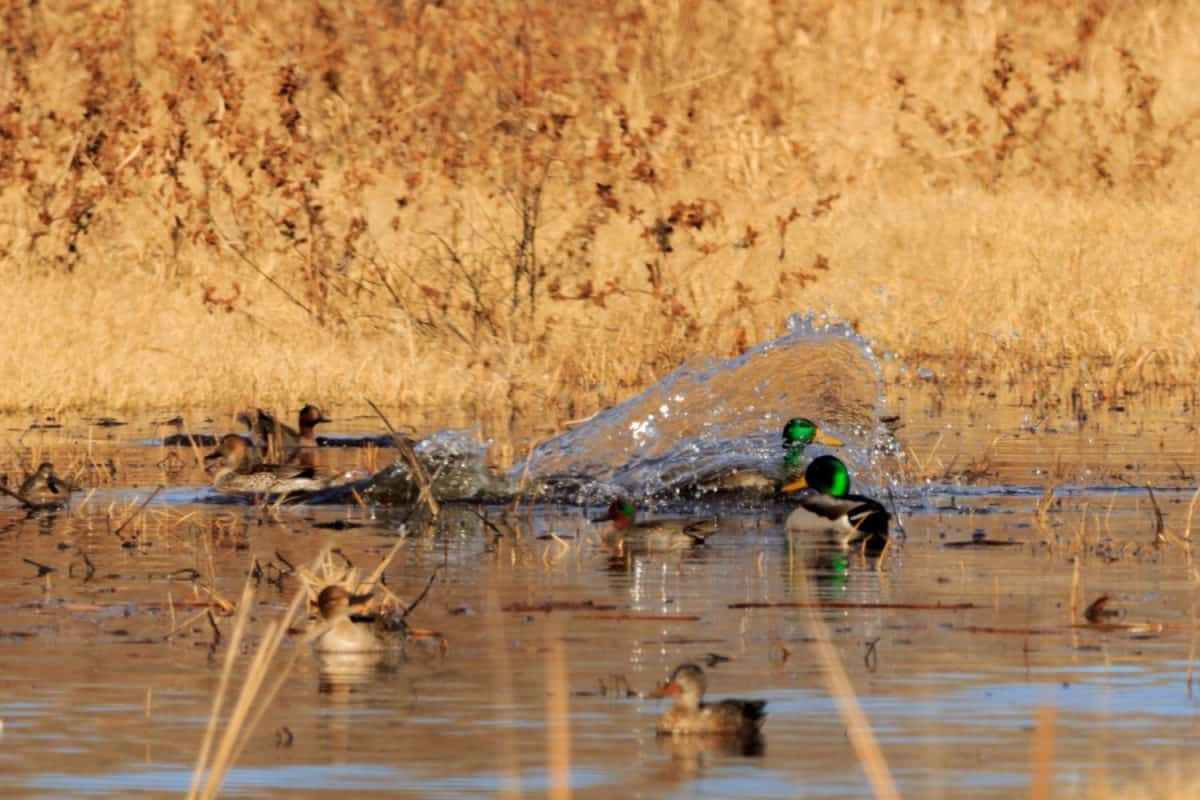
[(713, 415), (456, 463)]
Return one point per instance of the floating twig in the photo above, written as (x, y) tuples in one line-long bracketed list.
[(212, 621), (838, 604), (42, 569), (421, 596), (136, 511), (564, 605)]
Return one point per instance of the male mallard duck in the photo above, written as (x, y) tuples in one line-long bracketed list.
[(798, 433), (690, 715), (656, 536), (243, 474), (347, 632), (42, 490), (826, 505)]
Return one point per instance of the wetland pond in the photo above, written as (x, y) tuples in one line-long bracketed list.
[(973, 646)]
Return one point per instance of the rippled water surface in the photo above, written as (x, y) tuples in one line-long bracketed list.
[(967, 644)]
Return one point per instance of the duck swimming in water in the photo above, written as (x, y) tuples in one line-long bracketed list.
[(347, 632), (43, 490), (798, 433), (655, 536), (242, 473), (691, 715), (826, 505)]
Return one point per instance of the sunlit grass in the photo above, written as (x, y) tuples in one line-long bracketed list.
[(488, 212)]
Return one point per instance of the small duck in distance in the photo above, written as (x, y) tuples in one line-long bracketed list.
[(654, 536), (42, 490), (798, 433), (281, 441), (691, 715), (347, 632), (826, 505), (243, 473)]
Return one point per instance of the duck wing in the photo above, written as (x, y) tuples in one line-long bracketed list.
[(828, 507), (699, 529), (749, 712), (867, 516), (695, 529), (285, 471)]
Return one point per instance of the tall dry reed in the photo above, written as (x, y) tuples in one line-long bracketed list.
[(514, 207)]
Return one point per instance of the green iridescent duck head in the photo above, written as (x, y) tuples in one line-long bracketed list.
[(798, 433), (827, 475), (621, 514)]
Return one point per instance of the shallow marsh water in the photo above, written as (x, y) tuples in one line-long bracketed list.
[(544, 646), (968, 645)]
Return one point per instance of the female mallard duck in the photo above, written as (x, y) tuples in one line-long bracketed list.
[(690, 715), (243, 474), (827, 506), (798, 433), (655, 536), (347, 632)]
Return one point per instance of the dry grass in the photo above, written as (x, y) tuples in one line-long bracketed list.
[(526, 209)]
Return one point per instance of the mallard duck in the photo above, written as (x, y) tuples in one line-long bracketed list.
[(657, 535), (798, 433), (347, 632), (242, 473), (42, 490), (826, 505), (690, 715)]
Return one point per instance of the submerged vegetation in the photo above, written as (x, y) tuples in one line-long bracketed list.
[(504, 208)]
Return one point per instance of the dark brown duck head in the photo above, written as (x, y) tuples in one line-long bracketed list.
[(336, 601), (234, 451), (310, 418)]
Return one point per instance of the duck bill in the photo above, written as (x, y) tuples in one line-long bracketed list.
[(795, 486), (671, 689), (825, 439)]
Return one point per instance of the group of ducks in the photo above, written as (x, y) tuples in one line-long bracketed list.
[(824, 502), (277, 460), (825, 505), (346, 627)]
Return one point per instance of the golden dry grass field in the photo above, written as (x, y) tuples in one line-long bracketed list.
[(496, 210)]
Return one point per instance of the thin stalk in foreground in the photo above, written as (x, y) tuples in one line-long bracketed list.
[(858, 726)]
